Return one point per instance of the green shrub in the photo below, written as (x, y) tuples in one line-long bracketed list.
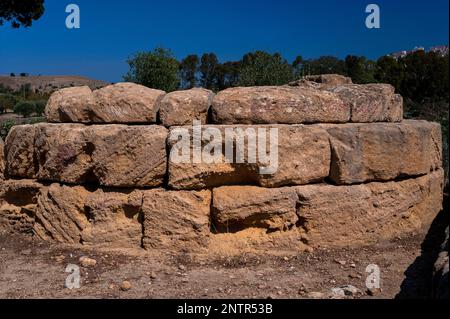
[(157, 69), (5, 127), (7, 102), (24, 108), (39, 107)]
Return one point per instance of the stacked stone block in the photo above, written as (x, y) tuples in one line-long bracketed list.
[(351, 171)]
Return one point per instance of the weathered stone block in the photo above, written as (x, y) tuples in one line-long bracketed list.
[(176, 219), (303, 157), (72, 214), (71, 105), (19, 152), (60, 214), (383, 151), (111, 155), (238, 207), (371, 102), (18, 203), (118, 103), (344, 216), (115, 218), (129, 156), (63, 153), (278, 105), (183, 107)]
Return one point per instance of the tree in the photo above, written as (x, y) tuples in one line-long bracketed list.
[(298, 66), (12, 75), (388, 70), (360, 69), (24, 108), (232, 71), (157, 69), (208, 70), (324, 65), (188, 71), (20, 13), (426, 77), (261, 68), (39, 107), (25, 90), (7, 102)]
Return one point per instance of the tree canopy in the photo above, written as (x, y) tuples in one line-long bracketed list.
[(157, 69), (20, 13)]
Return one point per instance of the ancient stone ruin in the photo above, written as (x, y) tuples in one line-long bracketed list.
[(351, 171)]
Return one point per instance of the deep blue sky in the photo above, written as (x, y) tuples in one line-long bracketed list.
[(113, 30)]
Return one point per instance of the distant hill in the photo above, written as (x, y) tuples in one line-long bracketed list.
[(47, 84)]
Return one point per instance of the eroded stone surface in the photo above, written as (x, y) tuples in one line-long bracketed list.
[(367, 102), (18, 202), (278, 105), (322, 80), (339, 216), (118, 103), (183, 107), (63, 153), (176, 219), (115, 218), (129, 156), (237, 207), (126, 103), (371, 102), (383, 151), (111, 155), (71, 105), (19, 152), (303, 157)]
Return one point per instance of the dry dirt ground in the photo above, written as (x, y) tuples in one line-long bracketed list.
[(35, 269)]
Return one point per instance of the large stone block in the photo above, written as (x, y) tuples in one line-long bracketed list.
[(115, 218), (371, 102), (278, 105), (367, 102), (183, 107), (383, 151), (18, 204), (111, 155), (60, 214), (321, 81), (344, 216), (19, 152), (176, 219), (63, 153), (303, 156), (72, 214), (118, 103), (235, 208), (71, 105), (129, 156), (76, 215)]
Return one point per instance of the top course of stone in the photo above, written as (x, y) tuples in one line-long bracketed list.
[(314, 99)]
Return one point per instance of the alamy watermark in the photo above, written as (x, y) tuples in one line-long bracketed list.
[(373, 20), (373, 280), (73, 19), (73, 279), (237, 145)]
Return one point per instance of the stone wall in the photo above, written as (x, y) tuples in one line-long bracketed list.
[(351, 171)]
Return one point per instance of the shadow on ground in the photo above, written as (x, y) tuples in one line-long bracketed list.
[(419, 275)]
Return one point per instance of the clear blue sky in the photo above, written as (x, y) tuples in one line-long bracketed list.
[(113, 30)]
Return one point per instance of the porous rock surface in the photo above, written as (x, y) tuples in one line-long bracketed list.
[(349, 170)]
